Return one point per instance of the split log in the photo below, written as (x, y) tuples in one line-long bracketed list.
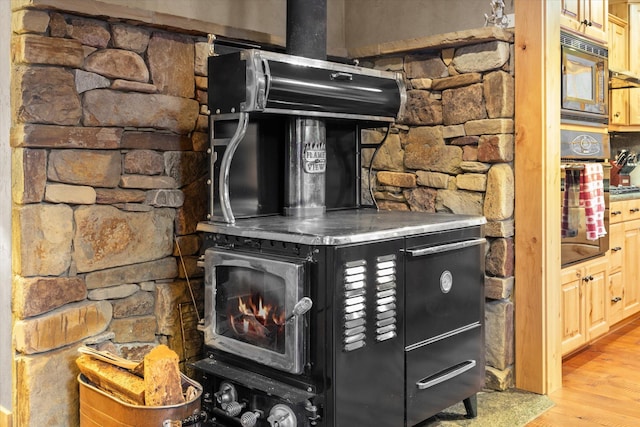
[(163, 385), (121, 383)]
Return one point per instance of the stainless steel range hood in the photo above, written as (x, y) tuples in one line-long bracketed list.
[(619, 79)]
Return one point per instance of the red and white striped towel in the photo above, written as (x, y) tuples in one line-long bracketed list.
[(592, 199)]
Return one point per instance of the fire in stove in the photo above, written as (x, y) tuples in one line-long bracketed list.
[(258, 323)]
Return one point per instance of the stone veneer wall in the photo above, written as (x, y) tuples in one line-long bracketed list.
[(453, 152), (109, 181)]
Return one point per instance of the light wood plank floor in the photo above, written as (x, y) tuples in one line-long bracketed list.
[(600, 385)]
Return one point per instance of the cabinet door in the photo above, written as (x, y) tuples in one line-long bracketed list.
[(618, 49), (615, 297), (573, 310), (596, 291), (596, 13), (631, 297), (634, 61), (616, 244)]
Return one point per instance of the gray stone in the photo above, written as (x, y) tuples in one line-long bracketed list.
[(87, 81), (165, 198), (171, 61), (499, 199), (113, 292), (129, 37), (165, 268), (104, 107), (421, 199), (118, 64), (185, 167), (420, 66), (71, 194), (97, 168), (134, 329), (389, 63), (482, 57), (129, 86), (45, 230), (433, 179), (37, 295), (459, 202), (90, 32), (194, 208), (472, 181), (498, 287), (51, 136), (106, 237), (147, 182), (28, 168), (46, 95), (421, 109), (143, 162), (62, 327), (29, 21), (499, 334), (138, 304), (463, 104), (134, 207)]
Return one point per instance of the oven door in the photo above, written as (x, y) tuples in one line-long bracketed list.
[(249, 307)]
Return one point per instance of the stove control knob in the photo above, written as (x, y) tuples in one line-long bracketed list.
[(282, 416), (250, 419)]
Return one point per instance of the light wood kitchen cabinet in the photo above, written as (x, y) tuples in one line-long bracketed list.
[(631, 272), (586, 17), (585, 303), (618, 60)]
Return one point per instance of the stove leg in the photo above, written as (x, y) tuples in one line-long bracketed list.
[(471, 406)]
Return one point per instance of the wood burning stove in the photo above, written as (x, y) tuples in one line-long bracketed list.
[(320, 311)]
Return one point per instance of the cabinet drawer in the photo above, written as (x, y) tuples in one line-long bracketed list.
[(443, 372), (615, 212), (631, 210)]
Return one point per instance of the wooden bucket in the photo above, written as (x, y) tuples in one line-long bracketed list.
[(98, 408)]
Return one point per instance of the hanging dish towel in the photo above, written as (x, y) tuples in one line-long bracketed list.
[(571, 204), (592, 200)]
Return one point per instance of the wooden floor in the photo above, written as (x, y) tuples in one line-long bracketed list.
[(600, 385)]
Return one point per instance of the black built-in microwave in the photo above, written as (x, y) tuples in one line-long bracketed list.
[(585, 80)]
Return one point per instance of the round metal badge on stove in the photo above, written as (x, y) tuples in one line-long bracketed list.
[(446, 281)]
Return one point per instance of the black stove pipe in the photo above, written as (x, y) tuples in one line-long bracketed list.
[(306, 150), (307, 28)]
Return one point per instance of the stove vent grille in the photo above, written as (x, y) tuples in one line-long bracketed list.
[(355, 273), (385, 297)]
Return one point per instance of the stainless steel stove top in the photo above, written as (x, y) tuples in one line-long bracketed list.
[(343, 227)]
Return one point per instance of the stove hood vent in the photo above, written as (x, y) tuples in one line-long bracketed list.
[(623, 80), (261, 81)]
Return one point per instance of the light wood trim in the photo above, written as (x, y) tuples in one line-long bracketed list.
[(538, 358), (5, 417)]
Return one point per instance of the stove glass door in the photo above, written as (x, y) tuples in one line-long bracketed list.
[(249, 307)]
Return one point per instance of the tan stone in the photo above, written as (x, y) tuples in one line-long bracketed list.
[(465, 140), (143, 162), (472, 181), (201, 82), (498, 287), (495, 148), (47, 392), (110, 196), (104, 107), (474, 167), (463, 104), (50, 136), (489, 126), (496, 379), (118, 64), (106, 237), (421, 199), (171, 60), (62, 327), (388, 195), (200, 141), (187, 245), (441, 158), (188, 268), (454, 131), (129, 86), (499, 334), (419, 66), (456, 81), (447, 55), (459, 202), (90, 32), (134, 207), (421, 109), (469, 153), (147, 182), (499, 94), (156, 141), (499, 199), (186, 166), (98, 168), (397, 179), (432, 179), (504, 228), (29, 21), (36, 295), (34, 49), (202, 53), (45, 95), (29, 178), (500, 258), (421, 84), (390, 63), (42, 239), (72, 194), (134, 329), (162, 384), (139, 304), (129, 37), (113, 292), (58, 27), (194, 208), (386, 205), (165, 268), (481, 57), (425, 135)]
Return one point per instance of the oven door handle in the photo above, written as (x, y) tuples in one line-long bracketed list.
[(446, 375), (445, 248)]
